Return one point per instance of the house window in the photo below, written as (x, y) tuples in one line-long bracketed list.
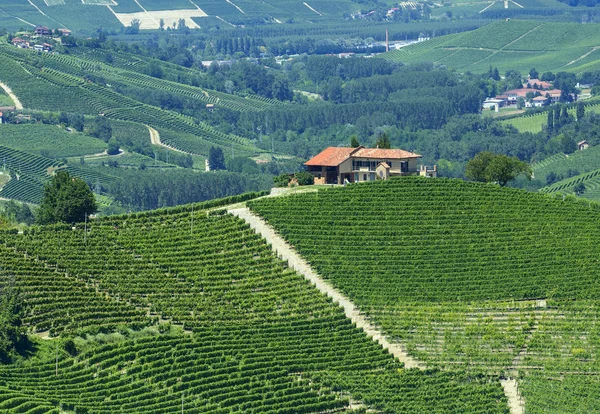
[(403, 166), (355, 177), (390, 164), (372, 177), (364, 177)]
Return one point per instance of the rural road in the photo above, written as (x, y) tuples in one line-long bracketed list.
[(9, 92), (155, 140)]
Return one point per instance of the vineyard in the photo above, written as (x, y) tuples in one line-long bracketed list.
[(61, 77), (49, 141), (591, 181), (514, 44), (86, 14), (30, 172), (466, 276), (186, 309)]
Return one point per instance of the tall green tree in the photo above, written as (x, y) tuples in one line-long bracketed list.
[(101, 128), (216, 159), (550, 122), (497, 168), (66, 199), (533, 74), (383, 141), (13, 337), (580, 112), (354, 141)]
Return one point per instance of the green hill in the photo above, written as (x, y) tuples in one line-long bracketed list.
[(186, 310), (464, 275), (56, 82), (514, 44), (87, 15)]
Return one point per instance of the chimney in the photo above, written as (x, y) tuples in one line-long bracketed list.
[(387, 40)]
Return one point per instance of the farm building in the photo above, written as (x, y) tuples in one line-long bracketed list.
[(335, 165), (581, 145), (511, 97), (42, 31), (494, 103)]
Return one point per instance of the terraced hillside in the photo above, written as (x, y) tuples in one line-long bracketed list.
[(55, 82), (29, 173), (514, 44), (110, 14), (464, 275), (188, 310)]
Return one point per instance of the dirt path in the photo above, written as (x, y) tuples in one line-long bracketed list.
[(283, 250), (155, 140), (9, 92), (514, 398), (583, 56)]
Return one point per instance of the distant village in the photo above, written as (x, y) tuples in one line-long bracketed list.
[(535, 93), (36, 41)]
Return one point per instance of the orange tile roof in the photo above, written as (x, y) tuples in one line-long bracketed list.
[(331, 157), (386, 154), (334, 156)]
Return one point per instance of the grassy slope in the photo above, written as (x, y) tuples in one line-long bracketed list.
[(463, 274), (514, 44), (534, 123)]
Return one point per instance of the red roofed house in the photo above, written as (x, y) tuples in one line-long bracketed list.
[(511, 97), (339, 165)]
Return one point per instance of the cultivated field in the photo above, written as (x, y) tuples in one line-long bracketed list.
[(169, 18), (464, 275), (49, 140), (514, 44), (183, 310), (534, 123)]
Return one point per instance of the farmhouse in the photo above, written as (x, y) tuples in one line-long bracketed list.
[(511, 97), (336, 165), (581, 145), (42, 31), (18, 42)]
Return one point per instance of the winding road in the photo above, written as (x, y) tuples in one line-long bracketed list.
[(155, 140)]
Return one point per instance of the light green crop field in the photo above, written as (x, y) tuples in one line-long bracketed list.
[(514, 44), (49, 141), (534, 123)]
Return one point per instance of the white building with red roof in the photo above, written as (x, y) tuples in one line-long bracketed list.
[(337, 165)]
